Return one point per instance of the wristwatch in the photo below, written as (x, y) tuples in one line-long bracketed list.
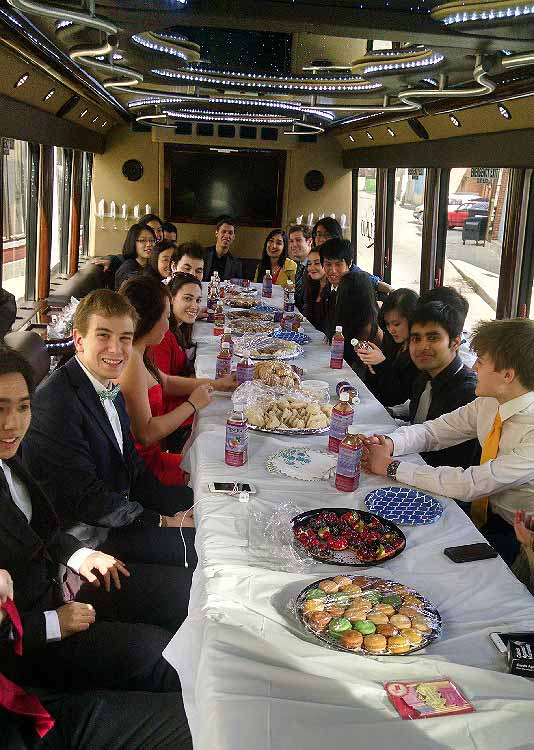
[(391, 471)]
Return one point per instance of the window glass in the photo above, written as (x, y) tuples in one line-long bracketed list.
[(57, 212), (476, 215), (407, 228), (366, 218), (15, 178), (87, 163)]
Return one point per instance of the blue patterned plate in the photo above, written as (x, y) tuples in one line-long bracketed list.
[(403, 505), (266, 308), (298, 338)]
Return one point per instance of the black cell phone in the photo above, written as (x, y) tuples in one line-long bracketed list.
[(470, 552)]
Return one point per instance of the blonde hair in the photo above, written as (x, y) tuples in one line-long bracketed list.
[(102, 302)]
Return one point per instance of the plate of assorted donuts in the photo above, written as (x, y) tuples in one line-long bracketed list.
[(367, 615)]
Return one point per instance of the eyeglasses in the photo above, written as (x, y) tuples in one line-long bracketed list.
[(146, 242)]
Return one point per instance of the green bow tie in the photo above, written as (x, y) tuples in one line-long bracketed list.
[(109, 394)]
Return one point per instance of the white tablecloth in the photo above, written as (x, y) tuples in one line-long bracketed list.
[(252, 678)]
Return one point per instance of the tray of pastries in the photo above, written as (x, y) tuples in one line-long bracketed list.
[(276, 374), (289, 416), (343, 536), (368, 615), (249, 315), (267, 347), (241, 300), (241, 326)]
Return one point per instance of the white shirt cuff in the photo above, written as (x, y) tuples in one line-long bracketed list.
[(77, 559), (53, 631)]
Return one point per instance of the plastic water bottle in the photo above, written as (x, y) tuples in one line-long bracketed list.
[(337, 349), (348, 462), (267, 288), (289, 297), (245, 369), (213, 298), (224, 362), (341, 419), (236, 444), (226, 338), (218, 320)]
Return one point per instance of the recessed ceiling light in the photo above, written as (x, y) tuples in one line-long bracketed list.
[(117, 56), (49, 95), (455, 121), (83, 113), (95, 119), (21, 80), (104, 124), (391, 132), (505, 112), (368, 134), (352, 138)]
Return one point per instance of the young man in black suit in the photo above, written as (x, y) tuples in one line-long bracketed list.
[(108, 636), (218, 256), (79, 445)]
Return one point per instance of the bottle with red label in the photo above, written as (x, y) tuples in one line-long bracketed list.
[(236, 445), (348, 462), (213, 297), (222, 289), (245, 369), (337, 349), (341, 419), (267, 288), (289, 297), (224, 362), (218, 320), (226, 338)]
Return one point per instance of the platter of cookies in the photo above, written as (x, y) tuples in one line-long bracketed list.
[(249, 315), (241, 326), (367, 615), (241, 300), (289, 416), (276, 374), (343, 536), (267, 348)]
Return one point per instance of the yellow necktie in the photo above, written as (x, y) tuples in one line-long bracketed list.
[(479, 508)]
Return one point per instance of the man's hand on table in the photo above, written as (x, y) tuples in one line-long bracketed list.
[(377, 452), (176, 521)]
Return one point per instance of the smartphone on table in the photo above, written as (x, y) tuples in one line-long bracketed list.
[(231, 488), (470, 552)]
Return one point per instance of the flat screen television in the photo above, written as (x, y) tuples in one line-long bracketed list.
[(201, 184)]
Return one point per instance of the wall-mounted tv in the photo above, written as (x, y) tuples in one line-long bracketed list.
[(201, 183)]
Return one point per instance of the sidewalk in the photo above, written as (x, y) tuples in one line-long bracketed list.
[(484, 283)]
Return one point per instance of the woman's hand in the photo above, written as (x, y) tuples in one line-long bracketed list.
[(228, 383), (184, 519), (371, 356), (6, 586), (523, 534), (108, 567), (201, 396)]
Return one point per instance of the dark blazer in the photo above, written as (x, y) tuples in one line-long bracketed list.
[(33, 553), (71, 447), (126, 270), (452, 388), (233, 268), (393, 379)]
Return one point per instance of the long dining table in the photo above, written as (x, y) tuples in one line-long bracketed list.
[(253, 678)]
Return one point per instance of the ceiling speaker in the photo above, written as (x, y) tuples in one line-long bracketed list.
[(314, 180)]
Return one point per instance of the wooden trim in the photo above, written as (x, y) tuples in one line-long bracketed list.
[(429, 232), (46, 204), (27, 123), (508, 278), (380, 266), (514, 148), (32, 209), (75, 212)]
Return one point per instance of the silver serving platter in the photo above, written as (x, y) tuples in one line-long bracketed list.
[(293, 431)]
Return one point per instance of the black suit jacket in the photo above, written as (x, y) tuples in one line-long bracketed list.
[(93, 486), (233, 268), (33, 553), (452, 388)]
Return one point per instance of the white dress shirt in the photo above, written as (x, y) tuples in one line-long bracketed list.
[(109, 406), (508, 479), (21, 498)]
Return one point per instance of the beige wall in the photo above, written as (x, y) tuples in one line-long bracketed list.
[(109, 183)]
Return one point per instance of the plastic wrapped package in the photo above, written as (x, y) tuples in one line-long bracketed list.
[(61, 324), (264, 346)]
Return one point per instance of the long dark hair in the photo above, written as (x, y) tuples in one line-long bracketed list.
[(152, 265), (147, 296), (332, 226), (356, 308), (129, 249), (182, 331), (403, 300), (265, 261)]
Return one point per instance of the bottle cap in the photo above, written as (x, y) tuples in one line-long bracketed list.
[(354, 342), (339, 329), (344, 396), (225, 346), (227, 330)]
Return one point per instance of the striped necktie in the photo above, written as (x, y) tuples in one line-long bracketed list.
[(479, 508), (299, 284)]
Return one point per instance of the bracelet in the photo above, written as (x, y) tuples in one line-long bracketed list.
[(192, 404)]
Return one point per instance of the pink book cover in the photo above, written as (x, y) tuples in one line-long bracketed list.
[(425, 700)]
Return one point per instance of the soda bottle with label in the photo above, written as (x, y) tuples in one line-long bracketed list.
[(341, 420), (337, 349), (213, 298), (289, 297), (218, 320), (348, 462), (245, 369), (222, 290), (224, 362), (267, 288), (236, 445), (226, 338)]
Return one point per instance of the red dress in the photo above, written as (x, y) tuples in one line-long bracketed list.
[(172, 360), (165, 466)]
